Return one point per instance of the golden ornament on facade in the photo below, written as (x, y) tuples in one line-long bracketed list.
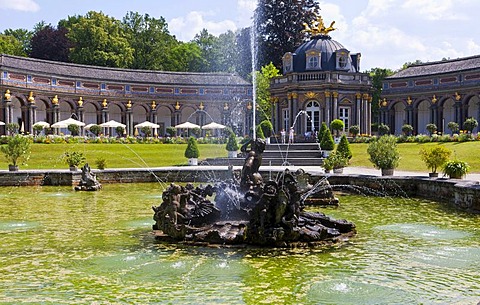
[(104, 103), (55, 100), (434, 99), (384, 102), (458, 96), (249, 106), (335, 94), (80, 102), (7, 95), (358, 95), (225, 106), (409, 100), (177, 106), (318, 27), (154, 105), (294, 95), (365, 96), (327, 93), (201, 106), (311, 95), (129, 104), (31, 99)]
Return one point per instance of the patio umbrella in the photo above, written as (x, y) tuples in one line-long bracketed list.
[(65, 123), (41, 123), (112, 124), (213, 125), (2, 123), (187, 125), (87, 127), (147, 124)]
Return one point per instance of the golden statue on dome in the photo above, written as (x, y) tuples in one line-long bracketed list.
[(318, 27)]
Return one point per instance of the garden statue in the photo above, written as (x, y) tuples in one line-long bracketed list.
[(89, 180), (247, 210)]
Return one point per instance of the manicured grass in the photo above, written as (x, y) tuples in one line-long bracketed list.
[(410, 158), (49, 156)]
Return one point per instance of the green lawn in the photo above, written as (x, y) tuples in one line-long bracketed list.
[(45, 156), (153, 155), (410, 158)]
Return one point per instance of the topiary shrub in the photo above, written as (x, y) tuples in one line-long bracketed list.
[(327, 141), (407, 129), (337, 125), (383, 129), (354, 130), (454, 127), (470, 124), (120, 131), (431, 128), (74, 129), (232, 144), (322, 131), (171, 131), (343, 148), (192, 149), (17, 148), (95, 129), (456, 169)]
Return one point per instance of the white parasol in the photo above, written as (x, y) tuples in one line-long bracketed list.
[(67, 122)]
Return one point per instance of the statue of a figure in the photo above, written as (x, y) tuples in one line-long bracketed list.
[(89, 180), (250, 176)]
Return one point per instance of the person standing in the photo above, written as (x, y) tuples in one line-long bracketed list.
[(290, 136), (283, 134)]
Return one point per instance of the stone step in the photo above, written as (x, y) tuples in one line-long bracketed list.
[(292, 154), (265, 161), (295, 146)]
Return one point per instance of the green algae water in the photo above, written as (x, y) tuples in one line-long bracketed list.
[(58, 246)]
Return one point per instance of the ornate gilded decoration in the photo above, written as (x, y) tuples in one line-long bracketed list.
[(434, 99), (327, 93), (177, 106), (154, 105), (31, 99), (289, 96), (365, 96), (384, 102), (55, 100), (129, 104), (7, 95), (458, 96), (409, 100), (294, 95), (318, 27), (80, 102), (311, 95), (201, 106), (358, 95), (249, 106), (225, 106), (335, 94), (370, 98), (104, 103)]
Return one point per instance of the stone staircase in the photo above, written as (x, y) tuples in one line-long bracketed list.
[(298, 154)]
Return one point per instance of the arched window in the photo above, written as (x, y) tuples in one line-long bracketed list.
[(313, 60), (313, 116), (287, 63)]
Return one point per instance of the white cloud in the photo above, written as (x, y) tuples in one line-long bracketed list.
[(20, 5), (185, 28), (434, 9), (248, 5)]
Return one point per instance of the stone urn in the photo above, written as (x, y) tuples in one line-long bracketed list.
[(387, 171), (338, 170), (193, 161)]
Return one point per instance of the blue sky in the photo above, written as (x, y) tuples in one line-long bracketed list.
[(388, 33)]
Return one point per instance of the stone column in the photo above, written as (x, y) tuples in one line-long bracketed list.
[(298, 125), (81, 114), (358, 113), (365, 108), (368, 115), (291, 116), (55, 112), (335, 105), (129, 118), (104, 116), (327, 107)]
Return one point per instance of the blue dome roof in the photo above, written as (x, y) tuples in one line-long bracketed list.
[(325, 45)]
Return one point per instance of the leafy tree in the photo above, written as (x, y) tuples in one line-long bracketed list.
[(99, 40), (23, 36), (228, 52), (280, 27), (16, 149), (150, 40), (209, 48), (378, 75), (263, 90), (453, 126), (435, 157), (431, 128), (407, 129), (10, 45), (184, 57), (243, 65), (354, 130), (337, 125), (192, 149), (343, 148), (470, 124), (51, 44)]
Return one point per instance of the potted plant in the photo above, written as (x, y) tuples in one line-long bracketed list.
[(101, 162), (12, 128), (435, 158), (431, 128), (74, 159), (74, 129), (322, 131), (407, 129), (232, 145), (456, 169), (454, 127), (336, 161), (120, 131), (383, 129), (327, 144), (95, 129), (384, 154), (192, 152), (343, 148), (16, 149), (354, 130), (171, 131), (470, 124), (338, 126)]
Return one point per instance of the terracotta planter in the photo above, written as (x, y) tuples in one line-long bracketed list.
[(13, 168), (387, 171)]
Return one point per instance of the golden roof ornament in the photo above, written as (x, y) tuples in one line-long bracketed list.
[(31, 99), (104, 103), (177, 106), (318, 27), (434, 99), (80, 102), (225, 106), (129, 104), (154, 105), (458, 96), (201, 106), (384, 102), (55, 100), (409, 100)]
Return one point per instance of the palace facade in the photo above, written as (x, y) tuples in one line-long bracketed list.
[(321, 82), (437, 92), (38, 90)]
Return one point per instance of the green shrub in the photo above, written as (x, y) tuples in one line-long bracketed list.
[(16, 149), (322, 131), (470, 124), (95, 129), (407, 129), (101, 162), (337, 125), (192, 149), (120, 131), (456, 168), (74, 129), (454, 127), (354, 130), (343, 148), (383, 129), (267, 128), (171, 131), (73, 158), (334, 160), (327, 141), (431, 128), (12, 128), (435, 157), (384, 152), (232, 144), (259, 132)]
